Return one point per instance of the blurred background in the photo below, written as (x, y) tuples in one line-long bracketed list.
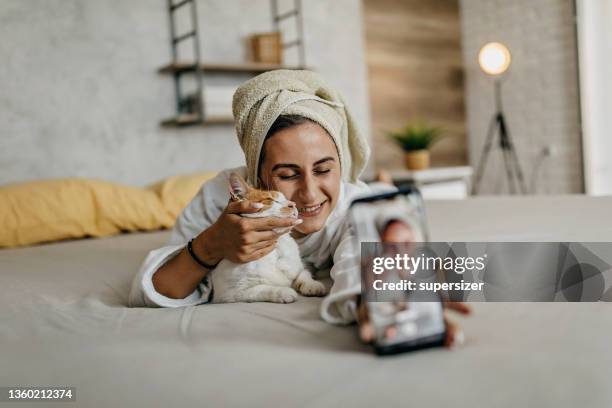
[(133, 92)]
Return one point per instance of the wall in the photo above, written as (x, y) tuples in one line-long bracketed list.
[(415, 72), (80, 95), (540, 92), (595, 46)]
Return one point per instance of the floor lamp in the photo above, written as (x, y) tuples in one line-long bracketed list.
[(494, 60)]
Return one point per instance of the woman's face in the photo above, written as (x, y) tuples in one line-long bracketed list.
[(302, 163), (398, 232)]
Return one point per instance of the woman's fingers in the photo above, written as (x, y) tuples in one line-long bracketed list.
[(242, 207), (255, 251), (366, 331), (454, 334), (261, 252), (269, 223), (259, 224), (460, 307), (263, 244), (256, 237)]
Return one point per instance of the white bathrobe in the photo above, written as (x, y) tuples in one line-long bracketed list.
[(331, 247)]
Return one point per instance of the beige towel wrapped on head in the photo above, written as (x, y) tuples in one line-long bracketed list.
[(260, 101)]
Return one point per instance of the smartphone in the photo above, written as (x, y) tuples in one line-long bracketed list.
[(411, 320)]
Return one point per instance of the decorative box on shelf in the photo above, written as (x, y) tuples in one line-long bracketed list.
[(267, 47), (438, 182)]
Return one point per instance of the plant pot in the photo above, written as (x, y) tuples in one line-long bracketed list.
[(417, 159)]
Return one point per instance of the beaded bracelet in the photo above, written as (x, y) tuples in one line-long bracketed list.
[(196, 258)]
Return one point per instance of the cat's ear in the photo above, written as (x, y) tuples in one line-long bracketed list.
[(238, 186)]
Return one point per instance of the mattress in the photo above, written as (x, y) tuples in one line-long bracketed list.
[(63, 321)]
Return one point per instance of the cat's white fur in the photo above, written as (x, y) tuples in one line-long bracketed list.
[(276, 277)]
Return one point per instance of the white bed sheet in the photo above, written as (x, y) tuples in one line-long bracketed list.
[(63, 321)]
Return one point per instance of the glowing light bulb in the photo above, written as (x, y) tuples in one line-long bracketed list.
[(494, 58)]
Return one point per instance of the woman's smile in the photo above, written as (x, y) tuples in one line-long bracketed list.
[(311, 210)]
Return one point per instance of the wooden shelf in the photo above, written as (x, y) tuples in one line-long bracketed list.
[(218, 120), (192, 119), (248, 67)]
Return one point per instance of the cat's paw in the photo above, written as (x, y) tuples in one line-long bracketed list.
[(311, 288), (284, 295)]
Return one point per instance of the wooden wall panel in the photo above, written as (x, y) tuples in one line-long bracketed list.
[(415, 70)]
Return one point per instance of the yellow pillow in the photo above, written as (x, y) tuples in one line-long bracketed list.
[(50, 210), (177, 191)]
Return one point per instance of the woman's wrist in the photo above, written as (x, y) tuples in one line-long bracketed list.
[(204, 247)]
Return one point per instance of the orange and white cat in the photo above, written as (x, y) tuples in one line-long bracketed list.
[(276, 277)]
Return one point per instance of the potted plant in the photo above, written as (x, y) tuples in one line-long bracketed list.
[(416, 139)]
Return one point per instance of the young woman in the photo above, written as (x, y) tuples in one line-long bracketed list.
[(299, 139)]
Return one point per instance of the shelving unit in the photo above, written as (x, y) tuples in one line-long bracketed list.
[(188, 119), (248, 67), (190, 108)]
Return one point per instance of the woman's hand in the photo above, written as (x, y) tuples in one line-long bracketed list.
[(242, 239), (454, 334), (366, 331)]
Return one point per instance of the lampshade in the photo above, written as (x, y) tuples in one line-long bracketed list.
[(494, 58)]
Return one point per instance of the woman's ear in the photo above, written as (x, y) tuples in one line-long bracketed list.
[(237, 185)]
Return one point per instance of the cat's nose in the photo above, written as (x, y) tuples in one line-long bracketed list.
[(291, 204)]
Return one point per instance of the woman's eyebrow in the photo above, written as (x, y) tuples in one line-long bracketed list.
[(285, 165), (323, 160)]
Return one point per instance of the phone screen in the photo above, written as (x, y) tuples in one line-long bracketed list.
[(397, 222)]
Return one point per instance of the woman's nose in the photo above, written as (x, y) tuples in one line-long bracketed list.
[(308, 190)]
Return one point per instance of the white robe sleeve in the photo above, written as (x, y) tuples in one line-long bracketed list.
[(201, 212), (340, 305), (143, 292)]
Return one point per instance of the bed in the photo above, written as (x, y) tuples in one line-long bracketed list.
[(63, 321)]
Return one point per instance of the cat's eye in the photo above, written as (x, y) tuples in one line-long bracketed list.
[(269, 201)]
